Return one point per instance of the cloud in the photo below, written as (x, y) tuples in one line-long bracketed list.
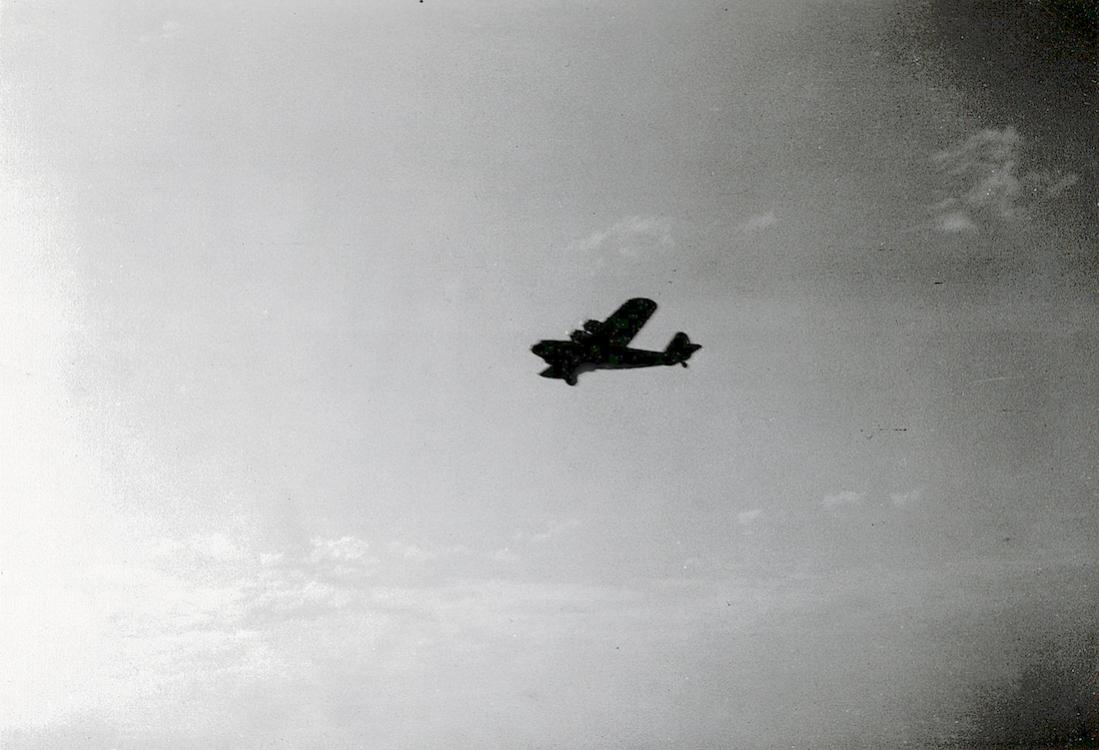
[(900, 499), (205, 648), (504, 555), (987, 184), (747, 517), (345, 549), (213, 583), (841, 499), (547, 530), (759, 223), (533, 535), (422, 554), (214, 613), (954, 222), (413, 552), (214, 547), (168, 31), (634, 237)]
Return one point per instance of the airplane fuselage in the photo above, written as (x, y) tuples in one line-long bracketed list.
[(596, 356), (604, 346)]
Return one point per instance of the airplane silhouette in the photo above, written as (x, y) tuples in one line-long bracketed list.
[(604, 345)]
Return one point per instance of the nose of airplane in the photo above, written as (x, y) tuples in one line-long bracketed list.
[(538, 348)]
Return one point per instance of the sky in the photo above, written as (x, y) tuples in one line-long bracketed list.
[(276, 467)]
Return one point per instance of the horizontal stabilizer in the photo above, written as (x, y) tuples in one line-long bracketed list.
[(680, 350)]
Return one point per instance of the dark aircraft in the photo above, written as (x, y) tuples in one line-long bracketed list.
[(605, 345)]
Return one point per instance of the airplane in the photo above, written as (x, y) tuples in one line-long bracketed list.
[(605, 345)]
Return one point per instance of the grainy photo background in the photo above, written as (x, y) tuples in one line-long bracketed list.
[(276, 467)]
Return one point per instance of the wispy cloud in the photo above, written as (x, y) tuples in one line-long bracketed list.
[(954, 222), (547, 530), (900, 499), (841, 499), (759, 222), (504, 555), (215, 611), (420, 553), (344, 549), (747, 517), (168, 31), (535, 535), (634, 237), (988, 184), (211, 637), (217, 547)]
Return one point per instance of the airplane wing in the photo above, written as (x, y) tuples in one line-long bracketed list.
[(624, 323)]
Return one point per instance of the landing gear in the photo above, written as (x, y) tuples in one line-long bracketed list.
[(683, 363)]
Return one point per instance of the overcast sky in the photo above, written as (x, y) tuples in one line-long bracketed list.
[(276, 467)]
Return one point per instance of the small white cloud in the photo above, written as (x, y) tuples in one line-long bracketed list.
[(504, 555), (953, 222), (900, 499), (421, 554), (634, 237), (413, 552), (168, 31), (840, 499), (1053, 183), (695, 564), (348, 549), (524, 539), (216, 547), (749, 516), (759, 223), (325, 594), (547, 531)]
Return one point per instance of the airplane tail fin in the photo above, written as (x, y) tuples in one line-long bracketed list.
[(680, 350)]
